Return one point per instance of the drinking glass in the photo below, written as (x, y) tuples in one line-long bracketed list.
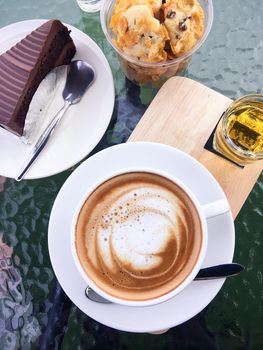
[(90, 5), (239, 134)]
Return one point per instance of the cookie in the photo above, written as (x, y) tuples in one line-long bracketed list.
[(184, 21), (140, 34), (122, 5)]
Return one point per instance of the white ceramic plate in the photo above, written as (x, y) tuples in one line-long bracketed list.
[(84, 123), (221, 239)]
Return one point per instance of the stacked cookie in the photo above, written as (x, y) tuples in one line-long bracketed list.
[(153, 31)]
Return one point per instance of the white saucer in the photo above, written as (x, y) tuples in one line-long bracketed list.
[(84, 123), (220, 243)]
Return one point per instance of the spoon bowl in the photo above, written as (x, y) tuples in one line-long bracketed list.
[(80, 76)]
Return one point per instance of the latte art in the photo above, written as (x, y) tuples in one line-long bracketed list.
[(137, 237), (135, 232)]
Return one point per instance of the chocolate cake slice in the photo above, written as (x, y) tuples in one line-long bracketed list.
[(25, 65)]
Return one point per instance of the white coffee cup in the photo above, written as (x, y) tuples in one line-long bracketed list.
[(205, 212)]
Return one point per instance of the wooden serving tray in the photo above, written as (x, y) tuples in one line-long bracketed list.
[(183, 114)]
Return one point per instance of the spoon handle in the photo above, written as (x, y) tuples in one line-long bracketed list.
[(219, 271), (42, 141)]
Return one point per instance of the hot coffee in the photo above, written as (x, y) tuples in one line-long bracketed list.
[(138, 236)]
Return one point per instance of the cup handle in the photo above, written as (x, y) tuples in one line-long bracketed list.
[(216, 208)]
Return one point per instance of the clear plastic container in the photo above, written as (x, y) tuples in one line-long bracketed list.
[(153, 73)]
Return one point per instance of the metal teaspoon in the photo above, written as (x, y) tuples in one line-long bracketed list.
[(79, 78), (213, 272)]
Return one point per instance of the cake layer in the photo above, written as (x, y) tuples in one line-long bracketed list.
[(24, 66)]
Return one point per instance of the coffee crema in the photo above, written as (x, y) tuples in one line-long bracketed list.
[(138, 236)]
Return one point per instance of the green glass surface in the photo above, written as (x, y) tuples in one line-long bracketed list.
[(34, 311)]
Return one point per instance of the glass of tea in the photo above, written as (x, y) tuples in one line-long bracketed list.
[(239, 134)]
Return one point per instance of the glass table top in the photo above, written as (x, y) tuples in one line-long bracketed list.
[(35, 313)]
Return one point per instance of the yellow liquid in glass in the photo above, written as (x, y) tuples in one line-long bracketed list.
[(245, 126)]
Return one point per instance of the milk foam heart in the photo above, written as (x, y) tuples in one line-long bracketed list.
[(138, 236)]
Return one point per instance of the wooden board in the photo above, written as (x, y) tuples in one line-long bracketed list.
[(183, 114)]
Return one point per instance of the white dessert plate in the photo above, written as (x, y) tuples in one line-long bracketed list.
[(83, 124), (221, 239)]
